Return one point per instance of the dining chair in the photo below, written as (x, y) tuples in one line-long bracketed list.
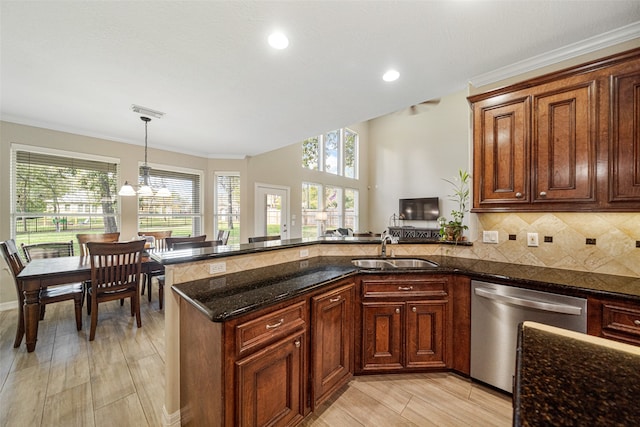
[(257, 239), (84, 238), (223, 236), (58, 293), (173, 240), (47, 250), (192, 245), (160, 245), (116, 269)]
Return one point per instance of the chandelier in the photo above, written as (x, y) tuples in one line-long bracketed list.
[(145, 189)]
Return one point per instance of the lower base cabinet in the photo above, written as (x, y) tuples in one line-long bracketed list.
[(405, 323), (270, 385), (614, 319)]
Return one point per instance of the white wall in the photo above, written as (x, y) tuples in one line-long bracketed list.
[(410, 155)]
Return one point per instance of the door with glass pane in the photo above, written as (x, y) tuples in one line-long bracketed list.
[(271, 211)]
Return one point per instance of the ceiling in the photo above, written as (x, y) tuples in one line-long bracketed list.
[(78, 66)]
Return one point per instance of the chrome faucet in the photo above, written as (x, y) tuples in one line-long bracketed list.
[(386, 237)]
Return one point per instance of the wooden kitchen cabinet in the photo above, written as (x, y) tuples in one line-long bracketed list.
[(614, 319), (405, 323), (566, 141), (332, 341)]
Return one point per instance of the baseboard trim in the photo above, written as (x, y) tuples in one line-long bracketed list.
[(170, 420), (11, 305)]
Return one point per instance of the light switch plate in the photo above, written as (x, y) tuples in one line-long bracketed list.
[(532, 239), (304, 253), (217, 267), (490, 237)]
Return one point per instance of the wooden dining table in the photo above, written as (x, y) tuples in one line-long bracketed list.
[(41, 273)]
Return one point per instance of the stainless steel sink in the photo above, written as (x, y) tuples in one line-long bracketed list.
[(394, 263), (372, 263), (413, 263)]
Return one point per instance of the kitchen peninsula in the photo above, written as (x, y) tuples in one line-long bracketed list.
[(263, 319)]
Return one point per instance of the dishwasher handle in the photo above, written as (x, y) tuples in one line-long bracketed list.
[(540, 305)]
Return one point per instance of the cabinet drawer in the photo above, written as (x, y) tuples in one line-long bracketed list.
[(404, 289), (266, 329), (618, 319)]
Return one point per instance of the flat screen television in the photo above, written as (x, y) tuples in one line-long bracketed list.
[(420, 209)]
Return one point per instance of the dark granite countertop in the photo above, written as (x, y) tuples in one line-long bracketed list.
[(225, 297)]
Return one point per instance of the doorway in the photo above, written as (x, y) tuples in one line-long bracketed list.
[(271, 211)]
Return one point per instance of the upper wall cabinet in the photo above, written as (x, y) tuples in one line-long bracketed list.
[(567, 141)]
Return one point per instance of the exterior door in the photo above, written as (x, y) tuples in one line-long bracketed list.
[(272, 211)]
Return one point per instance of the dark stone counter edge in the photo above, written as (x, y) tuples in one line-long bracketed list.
[(567, 282), (201, 254)]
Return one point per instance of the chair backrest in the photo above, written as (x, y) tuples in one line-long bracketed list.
[(115, 265), (223, 236), (263, 238), (173, 240), (84, 238), (159, 236), (191, 245), (11, 257), (47, 250)]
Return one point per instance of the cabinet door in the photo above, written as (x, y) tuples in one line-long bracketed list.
[(624, 172), (564, 149), (270, 385), (425, 334), (332, 341), (382, 336), (501, 152)]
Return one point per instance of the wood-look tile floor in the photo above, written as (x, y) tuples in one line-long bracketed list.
[(118, 380)]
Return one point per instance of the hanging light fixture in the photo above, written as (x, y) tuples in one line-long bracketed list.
[(145, 189)]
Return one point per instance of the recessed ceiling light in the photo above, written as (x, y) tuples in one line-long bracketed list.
[(391, 76), (278, 40)]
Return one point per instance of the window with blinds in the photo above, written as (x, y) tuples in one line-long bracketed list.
[(181, 212), (56, 195), (227, 205)]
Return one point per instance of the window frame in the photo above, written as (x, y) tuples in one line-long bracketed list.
[(234, 238)]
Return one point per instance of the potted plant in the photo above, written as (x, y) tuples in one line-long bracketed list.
[(453, 230)]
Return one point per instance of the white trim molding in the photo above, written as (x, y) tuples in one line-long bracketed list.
[(583, 47)]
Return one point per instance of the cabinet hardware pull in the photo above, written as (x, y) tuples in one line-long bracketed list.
[(414, 309), (336, 299), (518, 195), (636, 322), (275, 325), (397, 310), (543, 194), (405, 288), (297, 343)]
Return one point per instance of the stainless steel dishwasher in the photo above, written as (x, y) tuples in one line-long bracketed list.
[(496, 311)]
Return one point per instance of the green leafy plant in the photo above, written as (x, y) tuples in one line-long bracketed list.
[(454, 229)]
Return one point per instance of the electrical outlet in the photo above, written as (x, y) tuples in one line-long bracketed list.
[(490, 237), (512, 237), (548, 239), (590, 241), (304, 253), (532, 239), (217, 267)]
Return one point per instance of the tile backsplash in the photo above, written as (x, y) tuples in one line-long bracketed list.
[(614, 252)]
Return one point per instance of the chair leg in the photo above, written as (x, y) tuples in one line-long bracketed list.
[(20, 329), (42, 309), (149, 279), (136, 301), (78, 303), (144, 283), (94, 321), (160, 293), (88, 303)]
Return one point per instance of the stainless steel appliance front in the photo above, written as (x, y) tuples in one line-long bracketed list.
[(496, 311)]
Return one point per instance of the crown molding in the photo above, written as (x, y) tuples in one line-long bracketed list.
[(583, 47)]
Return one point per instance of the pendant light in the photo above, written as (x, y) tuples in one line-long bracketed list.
[(145, 189)]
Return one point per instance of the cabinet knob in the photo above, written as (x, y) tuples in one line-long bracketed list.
[(336, 299), (636, 322), (397, 311), (543, 194), (518, 195), (297, 343), (414, 309), (275, 325), (405, 288)]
